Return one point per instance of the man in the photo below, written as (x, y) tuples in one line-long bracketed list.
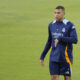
[(62, 34)]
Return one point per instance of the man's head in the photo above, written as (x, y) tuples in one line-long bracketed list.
[(59, 13)]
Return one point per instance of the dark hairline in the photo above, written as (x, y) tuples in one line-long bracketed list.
[(60, 7)]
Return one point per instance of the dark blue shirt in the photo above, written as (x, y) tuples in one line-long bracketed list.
[(65, 32)]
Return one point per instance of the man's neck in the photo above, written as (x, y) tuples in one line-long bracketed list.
[(60, 20)]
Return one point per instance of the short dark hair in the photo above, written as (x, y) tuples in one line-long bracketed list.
[(60, 7)]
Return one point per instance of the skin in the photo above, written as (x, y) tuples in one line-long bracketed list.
[(59, 16)]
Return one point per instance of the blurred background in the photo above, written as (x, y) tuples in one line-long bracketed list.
[(23, 35)]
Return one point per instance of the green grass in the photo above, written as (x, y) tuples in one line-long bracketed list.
[(23, 35)]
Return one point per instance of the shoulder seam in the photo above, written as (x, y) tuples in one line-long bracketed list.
[(65, 21), (53, 21)]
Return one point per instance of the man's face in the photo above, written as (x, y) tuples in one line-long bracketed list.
[(59, 14)]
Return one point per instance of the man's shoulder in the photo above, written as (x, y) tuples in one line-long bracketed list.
[(71, 25), (50, 24), (67, 22)]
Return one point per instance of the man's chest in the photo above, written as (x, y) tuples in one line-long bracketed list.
[(59, 30)]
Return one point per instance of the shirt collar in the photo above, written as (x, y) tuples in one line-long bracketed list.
[(65, 21)]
